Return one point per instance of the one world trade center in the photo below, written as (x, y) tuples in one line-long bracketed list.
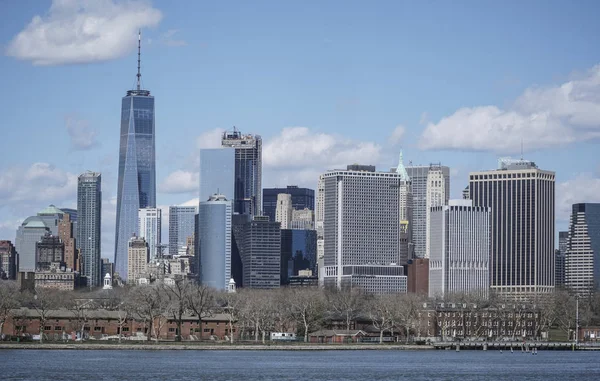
[(137, 168)]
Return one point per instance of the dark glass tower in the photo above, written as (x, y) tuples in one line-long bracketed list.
[(301, 198), (137, 168)]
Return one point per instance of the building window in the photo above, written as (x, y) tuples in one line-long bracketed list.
[(171, 329), (206, 329), (58, 328), (47, 328), (125, 329), (97, 329)]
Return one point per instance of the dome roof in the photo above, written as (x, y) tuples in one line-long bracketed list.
[(34, 222), (50, 210), (107, 276)]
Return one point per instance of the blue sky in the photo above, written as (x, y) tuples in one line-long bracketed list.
[(324, 83)]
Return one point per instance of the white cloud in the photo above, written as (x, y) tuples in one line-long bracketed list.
[(540, 117), (210, 139), (585, 187), (299, 147), (180, 181), (397, 135), (83, 137), (40, 182), (82, 31), (168, 38)]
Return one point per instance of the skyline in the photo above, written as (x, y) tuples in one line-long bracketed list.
[(321, 96)]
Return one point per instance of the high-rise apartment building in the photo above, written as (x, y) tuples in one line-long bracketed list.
[(28, 234), (582, 260), (362, 230), (8, 260), (136, 187), (420, 188), (137, 259), (214, 218), (559, 259), (89, 222), (181, 226), (259, 244), (302, 198), (150, 220), (248, 171), (67, 233), (217, 172), (459, 249), (50, 249), (283, 212), (521, 197)]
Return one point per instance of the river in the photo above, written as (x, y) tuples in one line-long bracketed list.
[(133, 365)]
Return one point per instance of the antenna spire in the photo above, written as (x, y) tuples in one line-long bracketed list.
[(139, 74)]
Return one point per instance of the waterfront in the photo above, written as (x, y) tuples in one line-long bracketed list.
[(40, 365)]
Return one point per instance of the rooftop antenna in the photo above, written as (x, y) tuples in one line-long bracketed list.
[(139, 74)]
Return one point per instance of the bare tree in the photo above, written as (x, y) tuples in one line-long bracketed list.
[(44, 301), (201, 301), (381, 313), (178, 301), (80, 308), (149, 302), (348, 304), (406, 311), (9, 301), (306, 307), (233, 305)]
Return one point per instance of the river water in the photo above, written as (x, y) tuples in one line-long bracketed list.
[(40, 365)]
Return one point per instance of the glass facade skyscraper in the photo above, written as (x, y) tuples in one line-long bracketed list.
[(137, 168), (89, 209), (301, 198), (582, 259), (215, 241), (217, 173), (181, 226)]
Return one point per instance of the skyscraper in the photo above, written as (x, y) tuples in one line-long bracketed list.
[(459, 249), (28, 234), (214, 217), (137, 259), (298, 252), (582, 260), (405, 208), (302, 198), (67, 234), (436, 196), (150, 220), (522, 200), (420, 188), (136, 187), (259, 242), (559, 259), (50, 249), (283, 212), (248, 171), (8, 260), (362, 230), (217, 173), (89, 222), (181, 226)]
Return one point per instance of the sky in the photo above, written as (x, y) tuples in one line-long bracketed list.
[(325, 83)]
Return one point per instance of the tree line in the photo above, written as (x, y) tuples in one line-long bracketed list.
[(256, 313)]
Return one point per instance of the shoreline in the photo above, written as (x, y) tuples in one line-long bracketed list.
[(212, 347)]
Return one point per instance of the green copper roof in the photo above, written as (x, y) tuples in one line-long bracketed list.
[(51, 210), (34, 222)]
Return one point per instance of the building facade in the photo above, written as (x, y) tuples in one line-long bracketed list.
[(28, 234), (303, 219), (67, 233), (214, 217), (298, 253), (8, 260), (248, 171), (137, 259), (362, 230), (89, 223), (459, 249), (150, 222), (436, 196), (217, 172), (136, 188), (283, 212), (405, 212), (181, 226), (582, 259), (420, 188), (50, 249), (259, 247), (521, 197), (559, 259), (302, 198)]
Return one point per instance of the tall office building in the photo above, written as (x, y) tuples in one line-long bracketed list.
[(420, 188), (150, 222), (362, 230), (8, 260), (137, 259), (28, 234), (283, 212), (582, 260), (181, 226), (522, 200), (214, 218), (436, 196), (217, 173), (319, 217), (459, 249), (67, 234), (303, 219), (298, 252), (89, 222), (302, 198), (51, 217), (559, 259), (259, 243), (136, 187), (49, 250), (248, 171), (405, 202)]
